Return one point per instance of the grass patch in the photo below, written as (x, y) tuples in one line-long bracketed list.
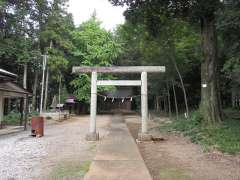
[(70, 171), (169, 173), (92, 147), (224, 136)]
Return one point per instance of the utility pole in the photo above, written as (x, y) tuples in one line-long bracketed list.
[(46, 85), (43, 78)]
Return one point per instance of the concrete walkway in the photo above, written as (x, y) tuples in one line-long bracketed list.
[(118, 157)]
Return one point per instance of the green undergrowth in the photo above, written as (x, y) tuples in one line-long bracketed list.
[(13, 118), (33, 114), (224, 136)]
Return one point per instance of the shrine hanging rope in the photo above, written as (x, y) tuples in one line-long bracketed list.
[(123, 98)]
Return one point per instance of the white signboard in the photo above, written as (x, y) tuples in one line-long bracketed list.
[(204, 85)]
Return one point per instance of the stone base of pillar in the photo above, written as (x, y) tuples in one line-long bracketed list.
[(144, 137), (92, 137)]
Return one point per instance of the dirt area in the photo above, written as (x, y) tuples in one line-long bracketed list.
[(62, 153), (176, 158)]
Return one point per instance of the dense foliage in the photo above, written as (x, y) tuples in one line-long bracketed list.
[(204, 43), (31, 29), (94, 47), (198, 42)]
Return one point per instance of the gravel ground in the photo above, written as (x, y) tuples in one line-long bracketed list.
[(23, 157)]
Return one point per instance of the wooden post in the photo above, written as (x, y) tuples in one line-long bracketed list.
[(1, 109), (26, 112), (22, 110), (9, 104), (24, 100), (93, 135)]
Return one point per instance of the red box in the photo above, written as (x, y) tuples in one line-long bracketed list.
[(37, 126)]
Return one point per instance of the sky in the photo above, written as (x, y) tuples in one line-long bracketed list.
[(109, 15)]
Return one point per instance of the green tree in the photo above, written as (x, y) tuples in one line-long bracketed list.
[(141, 48), (27, 30), (154, 13), (56, 40), (94, 47), (228, 25)]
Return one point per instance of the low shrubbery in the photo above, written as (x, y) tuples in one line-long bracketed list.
[(13, 118), (224, 136), (32, 114)]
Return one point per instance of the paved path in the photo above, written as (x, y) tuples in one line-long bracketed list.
[(118, 157)]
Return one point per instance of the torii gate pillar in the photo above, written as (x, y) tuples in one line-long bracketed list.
[(93, 135), (143, 135)]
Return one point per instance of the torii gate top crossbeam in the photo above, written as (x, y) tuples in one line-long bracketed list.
[(119, 69)]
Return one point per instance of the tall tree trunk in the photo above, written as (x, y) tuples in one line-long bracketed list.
[(59, 90), (46, 91), (210, 101), (183, 87), (165, 104), (169, 101), (233, 98), (59, 96), (35, 85), (157, 103), (25, 87), (175, 98)]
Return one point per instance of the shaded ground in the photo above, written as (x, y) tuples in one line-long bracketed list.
[(62, 153), (177, 158)]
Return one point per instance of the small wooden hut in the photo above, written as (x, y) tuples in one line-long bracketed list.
[(9, 89)]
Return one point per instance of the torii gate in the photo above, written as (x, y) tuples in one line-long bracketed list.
[(93, 134)]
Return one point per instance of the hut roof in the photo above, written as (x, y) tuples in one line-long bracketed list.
[(7, 85), (7, 76), (12, 87)]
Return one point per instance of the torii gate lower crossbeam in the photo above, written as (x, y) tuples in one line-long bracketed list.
[(93, 134)]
